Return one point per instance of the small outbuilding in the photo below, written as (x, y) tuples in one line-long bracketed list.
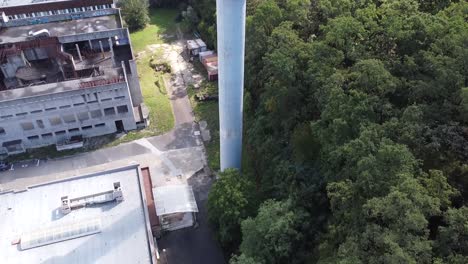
[(203, 54), (175, 206), (194, 47)]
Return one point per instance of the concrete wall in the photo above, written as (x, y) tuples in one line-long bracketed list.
[(121, 33), (13, 63), (57, 18), (36, 54), (134, 84), (42, 113)]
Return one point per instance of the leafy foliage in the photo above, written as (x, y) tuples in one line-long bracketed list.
[(135, 13), (229, 202), (357, 125)]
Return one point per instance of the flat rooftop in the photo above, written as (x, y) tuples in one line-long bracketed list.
[(62, 28), (123, 237), (6, 3), (52, 88)]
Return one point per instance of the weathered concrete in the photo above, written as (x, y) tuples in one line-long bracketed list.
[(231, 42)]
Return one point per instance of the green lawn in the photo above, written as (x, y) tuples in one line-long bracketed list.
[(209, 112), (162, 21), (155, 97)]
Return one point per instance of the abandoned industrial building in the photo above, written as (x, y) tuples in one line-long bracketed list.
[(67, 71)]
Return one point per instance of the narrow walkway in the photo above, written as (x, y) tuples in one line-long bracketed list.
[(177, 86)]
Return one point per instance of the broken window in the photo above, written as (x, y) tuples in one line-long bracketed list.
[(96, 113), (122, 109), (40, 123), (27, 126), (55, 121), (83, 116), (69, 118), (109, 111)]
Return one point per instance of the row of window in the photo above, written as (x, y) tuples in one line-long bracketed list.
[(63, 132), (72, 118), (59, 12), (94, 100)]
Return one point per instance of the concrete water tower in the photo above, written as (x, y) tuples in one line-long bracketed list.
[(231, 46)]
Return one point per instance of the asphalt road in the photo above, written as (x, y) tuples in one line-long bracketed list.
[(27, 173), (193, 245)]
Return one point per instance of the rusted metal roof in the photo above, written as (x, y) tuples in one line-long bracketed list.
[(154, 219)]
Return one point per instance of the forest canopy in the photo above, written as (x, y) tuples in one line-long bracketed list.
[(356, 132)]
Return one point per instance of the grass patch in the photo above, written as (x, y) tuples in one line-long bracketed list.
[(162, 21), (209, 112), (155, 96), (48, 152), (156, 99), (51, 152), (153, 88)]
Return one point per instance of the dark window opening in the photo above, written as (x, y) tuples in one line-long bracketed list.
[(122, 109), (109, 111), (119, 126), (48, 135)]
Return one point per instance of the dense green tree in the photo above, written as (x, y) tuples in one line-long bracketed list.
[(229, 202), (452, 242), (356, 118), (135, 13), (272, 235)]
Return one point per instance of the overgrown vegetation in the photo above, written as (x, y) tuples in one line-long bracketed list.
[(152, 71), (208, 111), (135, 13), (160, 25), (356, 133), (155, 96)]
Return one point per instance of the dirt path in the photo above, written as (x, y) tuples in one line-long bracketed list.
[(183, 75)]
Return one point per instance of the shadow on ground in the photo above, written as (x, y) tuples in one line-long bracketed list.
[(193, 245)]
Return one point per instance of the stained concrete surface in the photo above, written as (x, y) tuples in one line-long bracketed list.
[(196, 245)]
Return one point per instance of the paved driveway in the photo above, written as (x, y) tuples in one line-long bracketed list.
[(193, 245)]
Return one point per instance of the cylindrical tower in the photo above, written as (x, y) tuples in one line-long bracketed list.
[(231, 46)]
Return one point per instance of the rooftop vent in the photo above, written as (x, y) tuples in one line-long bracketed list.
[(98, 198)]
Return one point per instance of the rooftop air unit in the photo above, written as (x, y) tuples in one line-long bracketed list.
[(98, 198)]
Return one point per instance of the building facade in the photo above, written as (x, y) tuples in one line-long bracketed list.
[(66, 69)]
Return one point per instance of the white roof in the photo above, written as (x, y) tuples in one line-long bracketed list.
[(174, 199), (106, 233), (192, 44), (200, 43)]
